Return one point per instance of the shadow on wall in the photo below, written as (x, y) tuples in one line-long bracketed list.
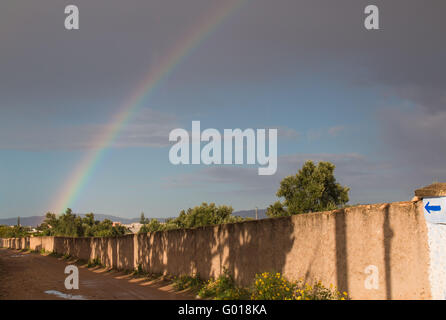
[(256, 246), (388, 235), (125, 252), (341, 250), (342, 257), (244, 249)]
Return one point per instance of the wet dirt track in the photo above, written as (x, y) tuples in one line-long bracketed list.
[(27, 276)]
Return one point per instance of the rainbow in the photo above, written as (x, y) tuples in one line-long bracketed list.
[(79, 177)]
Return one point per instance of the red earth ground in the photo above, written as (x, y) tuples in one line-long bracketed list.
[(28, 276)]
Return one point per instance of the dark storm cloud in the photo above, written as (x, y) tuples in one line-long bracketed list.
[(119, 41), (416, 140), (45, 69), (43, 65)]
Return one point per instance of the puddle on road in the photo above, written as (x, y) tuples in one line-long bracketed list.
[(65, 296)]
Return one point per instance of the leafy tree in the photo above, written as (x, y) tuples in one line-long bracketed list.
[(313, 188), (89, 220), (277, 210), (206, 215), (153, 225), (88, 225), (143, 220), (199, 216), (14, 231), (49, 225), (69, 224)]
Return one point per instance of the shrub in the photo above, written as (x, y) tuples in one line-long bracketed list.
[(317, 292), (41, 251), (223, 288), (93, 263), (188, 282), (139, 271), (273, 286), (55, 254)]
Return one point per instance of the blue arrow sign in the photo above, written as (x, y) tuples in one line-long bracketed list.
[(432, 208)]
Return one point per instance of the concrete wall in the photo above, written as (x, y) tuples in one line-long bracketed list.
[(348, 248)]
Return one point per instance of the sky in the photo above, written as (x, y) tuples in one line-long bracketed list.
[(373, 102)]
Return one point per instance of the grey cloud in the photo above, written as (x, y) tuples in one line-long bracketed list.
[(149, 128), (335, 131), (416, 139), (319, 133), (42, 66), (118, 42), (287, 133), (370, 180)]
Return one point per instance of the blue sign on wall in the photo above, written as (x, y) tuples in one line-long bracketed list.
[(435, 209)]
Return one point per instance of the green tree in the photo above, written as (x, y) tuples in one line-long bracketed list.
[(199, 216), (49, 225), (152, 226), (89, 219), (14, 231), (277, 209), (205, 215), (143, 220), (69, 224), (313, 188), (88, 225)]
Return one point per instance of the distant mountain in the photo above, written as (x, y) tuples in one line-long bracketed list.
[(34, 221), (101, 217), (24, 221), (251, 214)]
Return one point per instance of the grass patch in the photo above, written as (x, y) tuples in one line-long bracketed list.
[(40, 251), (55, 254), (223, 288), (193, 283), (139, 272), (94, 263), (66, 256)]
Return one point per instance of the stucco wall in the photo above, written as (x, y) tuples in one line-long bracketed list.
[(334, 247)]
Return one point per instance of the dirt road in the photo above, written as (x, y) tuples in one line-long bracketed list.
[(25, 276)]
